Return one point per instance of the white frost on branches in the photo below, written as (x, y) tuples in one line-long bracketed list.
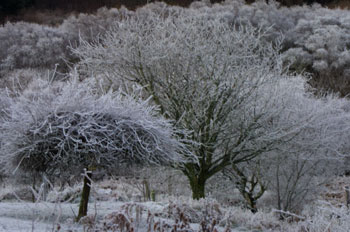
[(317, 38), (222, 81), (64, 127)]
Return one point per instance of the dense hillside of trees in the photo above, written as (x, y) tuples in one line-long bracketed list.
[(19, 10)]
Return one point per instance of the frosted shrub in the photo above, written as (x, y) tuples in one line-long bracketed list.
[(162, 181), (27, 45), (327, 217), (30, 45), (90, 26), (5, 102), (259, 221), (316, 38), (327, 40), (19, 79), (207, 216)]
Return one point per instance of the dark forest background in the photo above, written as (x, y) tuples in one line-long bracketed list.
[(13, 6)]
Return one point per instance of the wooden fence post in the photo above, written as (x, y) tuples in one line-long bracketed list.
[(347, 196)]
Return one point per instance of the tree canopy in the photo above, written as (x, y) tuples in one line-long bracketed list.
[(225, 83), (54, 127)]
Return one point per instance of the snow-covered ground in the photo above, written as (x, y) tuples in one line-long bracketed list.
[(109, 202), (24, 216), (44, 216), (116, 201)]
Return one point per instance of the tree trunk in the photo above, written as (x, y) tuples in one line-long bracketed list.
[(84, 201), (197, 187), (34, 189), (250, 201), (146, 190), (248, 186)]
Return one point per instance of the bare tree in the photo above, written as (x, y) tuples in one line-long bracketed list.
[(249, 179), (296, 169), (208, 77), (223, 82)]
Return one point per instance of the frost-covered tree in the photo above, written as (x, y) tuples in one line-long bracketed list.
[(222, 81), (61, 129), (293, 170), (216, 80)]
